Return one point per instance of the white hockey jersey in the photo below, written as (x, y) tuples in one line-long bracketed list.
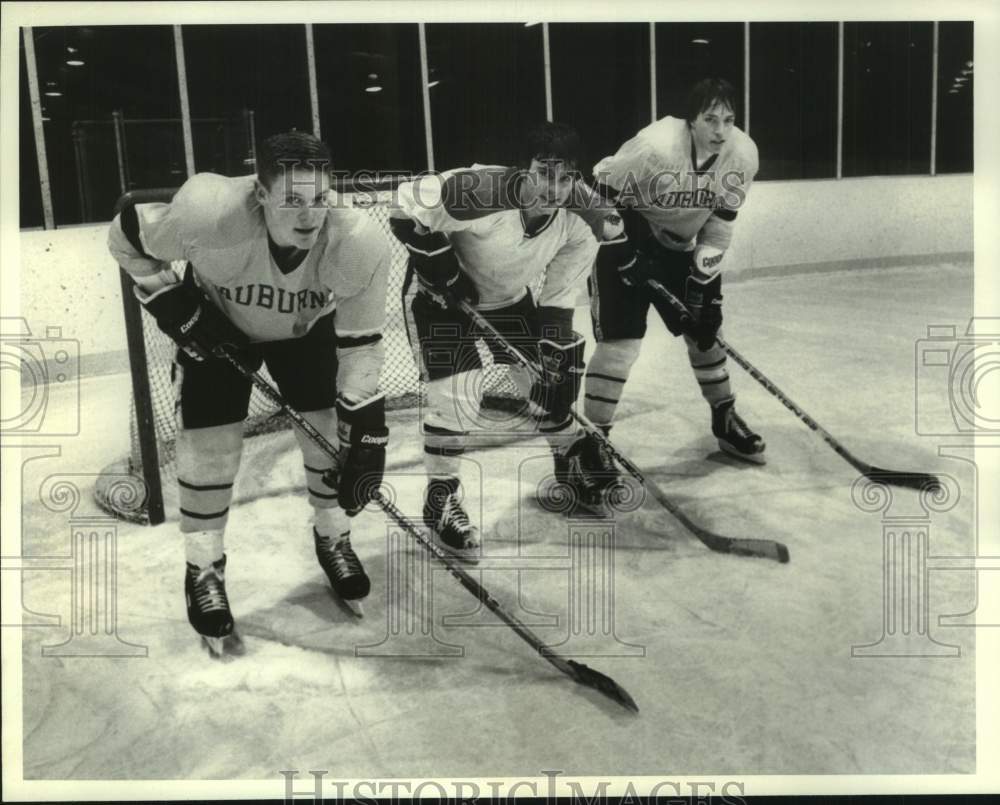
[(684, 203), (492, 240), (217, 225)]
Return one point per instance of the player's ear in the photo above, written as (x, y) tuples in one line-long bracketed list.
[(259, 191)]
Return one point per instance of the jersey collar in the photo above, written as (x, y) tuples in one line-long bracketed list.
[(531, 231), (285, 261), (706, 165)]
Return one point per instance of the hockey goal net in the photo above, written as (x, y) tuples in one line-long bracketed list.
[(136, 486)]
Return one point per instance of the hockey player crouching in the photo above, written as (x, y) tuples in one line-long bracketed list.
[(282, 277), (484, 235), (678, 185)]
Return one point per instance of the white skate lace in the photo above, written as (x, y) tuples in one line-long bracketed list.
[(453, 514), (210, 590)]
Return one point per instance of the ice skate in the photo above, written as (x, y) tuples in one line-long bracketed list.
[(344, 569), (208, 610), (734, 435), (445, 517), (583, 474)]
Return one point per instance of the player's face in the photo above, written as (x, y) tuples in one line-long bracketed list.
[(295, 206), (548, 183), (712, 128)]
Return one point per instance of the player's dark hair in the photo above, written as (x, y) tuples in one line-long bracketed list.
[(556, 141), (707, 93), (290, 150)]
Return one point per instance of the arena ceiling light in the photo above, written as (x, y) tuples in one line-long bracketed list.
[(75, 62), (700, 41), (373, 85)]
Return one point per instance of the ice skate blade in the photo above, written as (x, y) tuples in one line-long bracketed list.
[(355, 606), (224, 648), (750, 458)]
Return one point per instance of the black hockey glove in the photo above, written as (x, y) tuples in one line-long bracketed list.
[(202, 330), (562, 365), (618, 253), (363, 436), (438, 272), (704, 302)]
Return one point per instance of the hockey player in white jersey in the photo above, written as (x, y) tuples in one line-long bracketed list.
[(484, 235), (678, 186), (282, 276)]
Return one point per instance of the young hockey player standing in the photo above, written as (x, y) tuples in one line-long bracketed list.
[(678, 186), (283, 277), (485, 235)]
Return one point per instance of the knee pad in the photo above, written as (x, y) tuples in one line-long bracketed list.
[(615, 358), (325, 421), (209, 455), (715, 354)]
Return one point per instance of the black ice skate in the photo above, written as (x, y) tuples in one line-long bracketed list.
[(734, 435), (583, 473), (445, 517), (208, 609), (344, 569)]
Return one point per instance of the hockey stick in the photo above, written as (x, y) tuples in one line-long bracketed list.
[(912, 480), (764, 548), (577, 671)]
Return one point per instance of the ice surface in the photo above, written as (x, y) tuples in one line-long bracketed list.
[(738, 665)]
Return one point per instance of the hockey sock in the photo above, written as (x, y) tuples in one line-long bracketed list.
[(332, 522), (201, 548), (316, 461), (443, 450), (711, 373), (207, 462), (606, 375)]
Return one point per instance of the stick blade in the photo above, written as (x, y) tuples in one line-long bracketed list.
[(741, 546), (586, 675), (760, 548), (921, 481)]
